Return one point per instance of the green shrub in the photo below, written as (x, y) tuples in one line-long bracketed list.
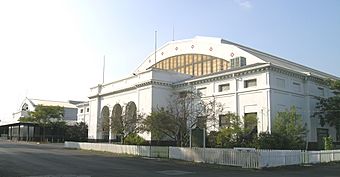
[(134, 139), (272, 141), (328, 143), (276, 140)]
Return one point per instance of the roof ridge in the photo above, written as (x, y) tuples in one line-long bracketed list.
[(281, 59), (47, 100)]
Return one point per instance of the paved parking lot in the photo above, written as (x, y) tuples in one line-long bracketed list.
[(52, 160)]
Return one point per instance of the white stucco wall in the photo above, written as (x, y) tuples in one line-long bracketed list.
[(277, 87), (240, 100), (304, 99), (145, 96)]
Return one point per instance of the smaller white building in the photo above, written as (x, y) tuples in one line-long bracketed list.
[(70, 109), (83, 112)]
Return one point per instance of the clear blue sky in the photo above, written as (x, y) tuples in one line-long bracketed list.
[(54, 49)]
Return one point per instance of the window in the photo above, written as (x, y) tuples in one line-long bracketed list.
[(250, 122), (243, 61), (223, 121), (250, 83), (81, 110), (321, 91), (202, 91), (296, 86), (238, 62), (193, 64), (183, 94), (87, 109), (232, 63), (280, 83), (223, 87), (24, 107)]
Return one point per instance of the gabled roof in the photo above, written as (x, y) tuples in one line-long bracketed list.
[(36, 102), (226, 50), (282, 62)]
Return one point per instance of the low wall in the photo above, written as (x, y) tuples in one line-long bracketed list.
[(245, 158), (145, 151), (231, 157)]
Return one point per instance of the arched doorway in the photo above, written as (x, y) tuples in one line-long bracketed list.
[(117, 128), (131, 116), (105, 123)]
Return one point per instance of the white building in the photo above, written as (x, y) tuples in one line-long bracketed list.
[(69, 115), (245, 80), (83, 114)]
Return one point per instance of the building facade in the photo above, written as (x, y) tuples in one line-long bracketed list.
[(244, 80), (83, 114), (69, 114)]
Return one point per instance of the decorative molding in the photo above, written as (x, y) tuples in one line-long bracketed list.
[(223, 77), (139, 85), (218, 78), (297, 75)]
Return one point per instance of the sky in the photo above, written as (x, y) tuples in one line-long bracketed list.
[(54, 49)]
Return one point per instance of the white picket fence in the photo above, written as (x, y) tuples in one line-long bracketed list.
[(242, 158), (321, 156), (114, 148), (274, 158), (245, 158)]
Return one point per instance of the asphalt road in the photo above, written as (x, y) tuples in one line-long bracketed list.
[(52, 160)]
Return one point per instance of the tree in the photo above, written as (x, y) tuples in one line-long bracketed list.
[(127, 123), (230, 135), (272, 140), (236, 133), (329, 108), (161, 124), (45, 116), (56, 130), (288, 132), (77, 132), (185, 111)]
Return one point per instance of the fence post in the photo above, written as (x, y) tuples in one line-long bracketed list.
[(204, 160), (320, 157), (284, 160)]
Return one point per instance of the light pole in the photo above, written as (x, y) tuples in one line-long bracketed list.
[(203, 137)]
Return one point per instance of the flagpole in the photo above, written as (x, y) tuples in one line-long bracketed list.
[(155, 46), (173, 32), (104, 70)]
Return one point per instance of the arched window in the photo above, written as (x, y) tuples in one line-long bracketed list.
[(105, 122), (24, 107), (116, 120), (131, 116), (193, 64)]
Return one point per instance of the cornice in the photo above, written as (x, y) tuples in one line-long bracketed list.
[(139, 85), (303, 76), (222, 77), (219, 77)]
